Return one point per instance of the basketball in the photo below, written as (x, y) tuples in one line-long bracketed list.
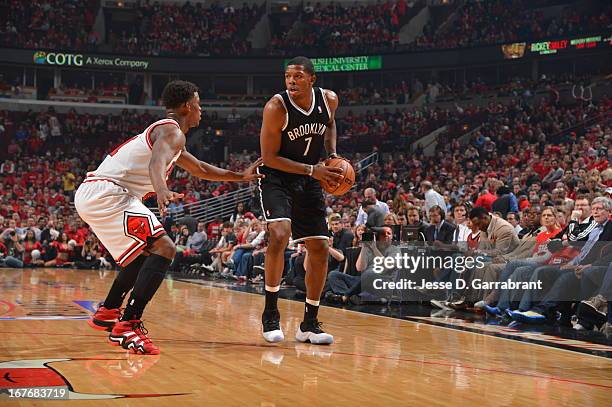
[(348, 174)]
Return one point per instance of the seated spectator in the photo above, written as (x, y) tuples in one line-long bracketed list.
[(188, 220), (514, 219), (534, 306), (350, 287), (90, 256), (375, 215), (222, 249), (62, 252), (341, 239), (241, 254), (498, 236), (32, 250), (439, 231), (196, 241), (391, 220), (505, 202), (539, 255), (370, 195), (180, 241), (11, 251)]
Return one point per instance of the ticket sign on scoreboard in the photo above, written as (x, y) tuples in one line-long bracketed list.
[(346, 64), (553, 47)]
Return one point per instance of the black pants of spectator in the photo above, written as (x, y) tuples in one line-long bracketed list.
[(182, 260), (257, 260), (299, 279)]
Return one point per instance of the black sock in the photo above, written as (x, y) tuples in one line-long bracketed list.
[(271, 301), (310, 312), (149, 279), (123, 283)]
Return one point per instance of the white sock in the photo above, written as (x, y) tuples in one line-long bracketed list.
[(272, 289), (312, 302)]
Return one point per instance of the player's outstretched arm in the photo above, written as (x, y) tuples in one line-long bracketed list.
[(209, 172), (270, 143), (168, 140)]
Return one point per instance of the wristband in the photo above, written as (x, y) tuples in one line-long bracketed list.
[(310, 169), (333, 155)]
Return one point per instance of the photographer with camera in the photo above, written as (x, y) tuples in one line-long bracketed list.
[(11, 250), (359, 289), (89, 256)]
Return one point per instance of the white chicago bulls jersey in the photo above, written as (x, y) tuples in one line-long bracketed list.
[(128, 164)]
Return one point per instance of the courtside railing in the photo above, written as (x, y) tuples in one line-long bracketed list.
[(223, 206), (209, 209)]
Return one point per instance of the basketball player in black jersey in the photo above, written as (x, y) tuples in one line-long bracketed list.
[(297, 124)]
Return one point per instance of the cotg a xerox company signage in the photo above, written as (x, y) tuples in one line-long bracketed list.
[(70, 59)]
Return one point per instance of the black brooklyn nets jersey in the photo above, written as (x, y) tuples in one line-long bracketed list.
[(304, 131)]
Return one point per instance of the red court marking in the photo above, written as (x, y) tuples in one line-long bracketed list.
[(435, 363), (31, 377), (9, 305)]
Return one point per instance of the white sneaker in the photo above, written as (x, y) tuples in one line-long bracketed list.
[(271, 330), (274, 336), (313, 333), (480, 304)]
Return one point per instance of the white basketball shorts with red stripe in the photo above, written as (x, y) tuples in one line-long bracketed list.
[(119, 219)]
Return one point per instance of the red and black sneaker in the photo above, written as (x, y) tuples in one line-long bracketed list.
[(132, 335), (105, 319)]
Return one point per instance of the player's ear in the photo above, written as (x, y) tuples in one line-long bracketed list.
[(313, 78), (186, 107)]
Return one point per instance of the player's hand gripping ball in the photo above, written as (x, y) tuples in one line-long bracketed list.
[(346, 181)]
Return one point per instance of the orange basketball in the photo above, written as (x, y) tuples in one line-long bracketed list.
[(348, 174)]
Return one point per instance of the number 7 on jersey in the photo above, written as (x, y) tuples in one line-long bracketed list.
[(308, 140)]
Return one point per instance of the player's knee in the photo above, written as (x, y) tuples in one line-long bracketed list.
[(164, 247), (279, 234), (317, 247)]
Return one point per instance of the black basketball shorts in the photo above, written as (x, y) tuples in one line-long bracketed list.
[(295, 198)]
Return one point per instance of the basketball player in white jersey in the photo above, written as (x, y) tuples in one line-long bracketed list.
[(110, 201)]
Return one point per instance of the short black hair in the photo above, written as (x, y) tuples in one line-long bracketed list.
[(177, 93), (303, 61), (478, 212), (367, 202)]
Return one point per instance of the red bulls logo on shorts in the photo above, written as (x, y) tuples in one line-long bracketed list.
[(138, 226)]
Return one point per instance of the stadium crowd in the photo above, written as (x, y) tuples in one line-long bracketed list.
[(49, 24), (189, 29), (339, 29), (479, 23), (180, 29)]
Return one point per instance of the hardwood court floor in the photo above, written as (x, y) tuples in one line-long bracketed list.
[(213, 354)]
